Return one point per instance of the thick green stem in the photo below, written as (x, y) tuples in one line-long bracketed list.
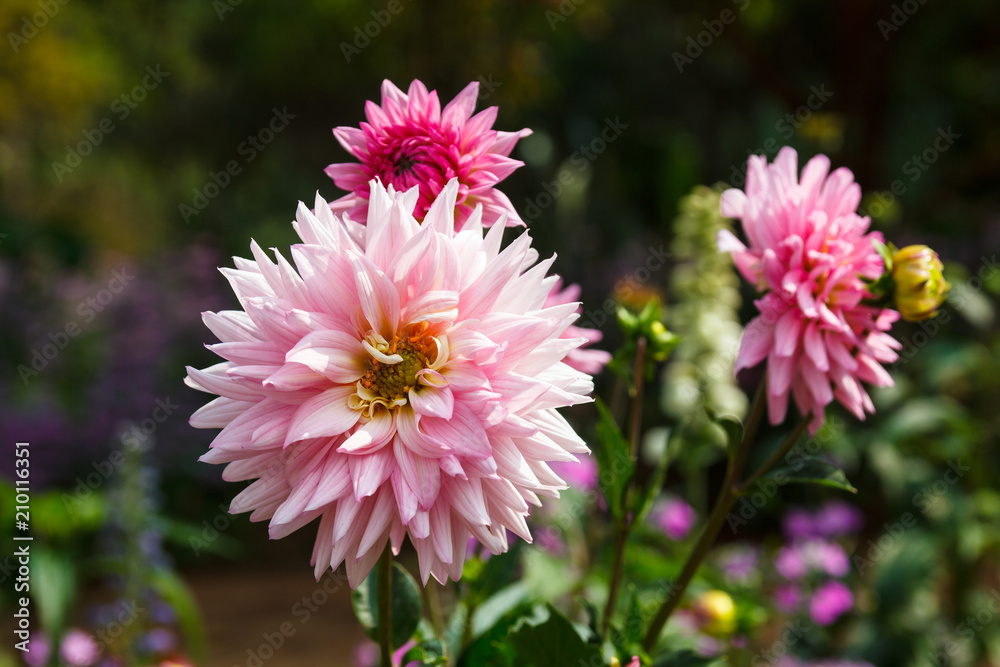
[(383, 584), (727, 496), (624, 526)]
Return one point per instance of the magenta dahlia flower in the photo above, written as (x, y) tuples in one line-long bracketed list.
[(401, 379), (410, 141), (585, 360), (810, 252)]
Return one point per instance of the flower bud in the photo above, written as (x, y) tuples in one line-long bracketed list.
[(919, 286), (716, 613)]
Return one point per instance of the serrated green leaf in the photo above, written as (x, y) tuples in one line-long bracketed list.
[(406, 605), (812, 472), (614, 462)]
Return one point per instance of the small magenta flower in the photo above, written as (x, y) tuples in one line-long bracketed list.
[(790, 563), (812, 256), (399, 380), (920, 288), (787, 597), (838, 519), (675, 517), (829, 602), (410, 141)]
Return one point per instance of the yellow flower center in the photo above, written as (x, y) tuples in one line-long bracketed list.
[(394, 365)]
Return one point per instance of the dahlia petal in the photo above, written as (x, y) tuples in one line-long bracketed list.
[(733, 204), (463, 432), (325, 415), (379, 298), (335, 482), (460, 109), (371, 435), (432, 401), (814, 347), (786, 334), (468, 501), (370, 471), (422, 475), (755, 344), (378, 523), (218, 413)]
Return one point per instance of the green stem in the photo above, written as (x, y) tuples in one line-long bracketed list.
[(383, 584), (716, 519), (624, 526), (776, 457)]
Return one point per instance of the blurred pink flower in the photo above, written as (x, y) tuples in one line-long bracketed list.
[(675, 517), (401, 380), (39, 650), (410, 141), (830, 601), (580, 474), (585, 360), (810, 253), (790, 563), (79, 649)]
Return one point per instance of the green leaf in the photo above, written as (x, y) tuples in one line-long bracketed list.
[(614, 462), (175, 592), (406, 605), (427, 653), (489, 648), (811, 472), (53, 585), (547, 639)]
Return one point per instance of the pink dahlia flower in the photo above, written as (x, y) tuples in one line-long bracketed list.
[(586, 361), (399, 379), (810, 252), (410, 141)]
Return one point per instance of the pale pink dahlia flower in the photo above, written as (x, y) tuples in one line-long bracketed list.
[(810, 253), (584, 360), (400, 379), (410, 141)]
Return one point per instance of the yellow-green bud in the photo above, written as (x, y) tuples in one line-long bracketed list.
[(716, 612), (920, 287)]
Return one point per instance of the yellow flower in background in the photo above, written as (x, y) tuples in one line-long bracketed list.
[(920, 286), (716, 613)]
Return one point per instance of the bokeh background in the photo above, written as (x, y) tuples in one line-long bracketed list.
[(117, 115)]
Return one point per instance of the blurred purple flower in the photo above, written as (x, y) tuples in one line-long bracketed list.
[(831, 600), (739, 564), (675, 517), (787, 598), (365, 654), (799, 524), (790, 563), (550, 540), (159, 640), (79, 649), (39, 650), (838, 518)]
